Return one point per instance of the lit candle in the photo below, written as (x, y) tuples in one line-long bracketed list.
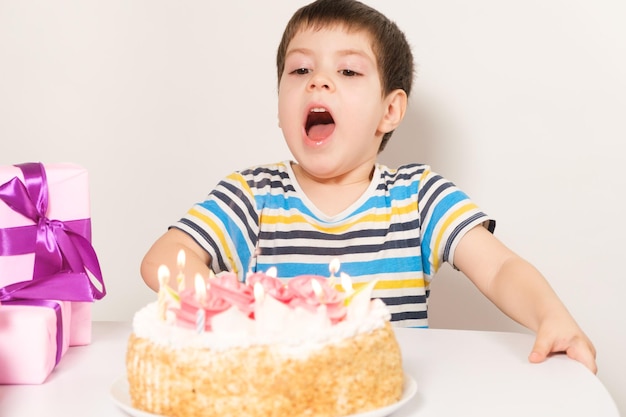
[(333, 267), (200, 287), (180, 278), (317, 289), (200, 320), (163, 274)]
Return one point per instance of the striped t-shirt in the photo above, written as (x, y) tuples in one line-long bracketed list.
[(399, 232)]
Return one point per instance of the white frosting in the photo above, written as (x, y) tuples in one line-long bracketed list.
[(294, 330)]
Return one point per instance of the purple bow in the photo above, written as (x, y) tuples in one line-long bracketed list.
[(63, 251)]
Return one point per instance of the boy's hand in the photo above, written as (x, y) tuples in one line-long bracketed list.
[(521, 292), (571, 341)]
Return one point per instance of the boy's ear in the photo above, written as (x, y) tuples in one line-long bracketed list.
[(395, 103)]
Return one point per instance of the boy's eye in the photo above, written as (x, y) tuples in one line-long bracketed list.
[(348, 73), (300, 71)]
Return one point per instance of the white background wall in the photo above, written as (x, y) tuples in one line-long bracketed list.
[(522, 104)]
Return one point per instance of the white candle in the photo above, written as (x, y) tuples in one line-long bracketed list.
[(163, 274), (180, 261), (200, 320)]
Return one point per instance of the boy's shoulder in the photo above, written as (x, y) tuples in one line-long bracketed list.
[(263, 178)]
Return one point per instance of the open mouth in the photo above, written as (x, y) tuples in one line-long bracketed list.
[(319, 124)]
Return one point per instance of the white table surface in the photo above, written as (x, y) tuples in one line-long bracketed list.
[(458, 373)]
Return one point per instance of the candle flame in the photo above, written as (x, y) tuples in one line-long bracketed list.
[(164, 275), (180, 259), (317, 289), (200, 286), (334, 266)]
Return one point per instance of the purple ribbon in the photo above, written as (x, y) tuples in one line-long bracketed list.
[(63, 251)]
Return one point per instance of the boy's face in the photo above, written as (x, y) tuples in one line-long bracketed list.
[(330, 102)]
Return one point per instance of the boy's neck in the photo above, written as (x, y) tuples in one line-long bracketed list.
[(333, 196)]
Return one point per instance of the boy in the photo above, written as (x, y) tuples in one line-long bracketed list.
[(344, 76)]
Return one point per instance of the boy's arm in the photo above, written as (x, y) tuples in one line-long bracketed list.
[(165, 252), (522, 293)]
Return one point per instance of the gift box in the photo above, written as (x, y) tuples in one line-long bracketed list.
[(45, 255), (34, 338)]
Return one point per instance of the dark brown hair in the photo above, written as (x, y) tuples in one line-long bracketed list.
[(393, 53)]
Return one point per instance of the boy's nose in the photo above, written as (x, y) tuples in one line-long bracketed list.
[(320, 81)]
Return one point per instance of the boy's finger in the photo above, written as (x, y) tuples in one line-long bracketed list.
[(540, 352), (584, 355)]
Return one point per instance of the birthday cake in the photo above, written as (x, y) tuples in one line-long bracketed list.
[(266, 347)]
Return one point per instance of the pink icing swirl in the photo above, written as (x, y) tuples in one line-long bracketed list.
[(228, 288), (226, 291), (272, 286), (222, 293), (305, 296)]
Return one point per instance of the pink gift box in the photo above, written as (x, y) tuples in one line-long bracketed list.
[(29, 345), (68, 200)]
